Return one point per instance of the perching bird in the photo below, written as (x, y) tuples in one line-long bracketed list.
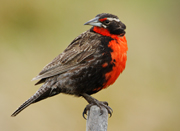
[(91, 62)]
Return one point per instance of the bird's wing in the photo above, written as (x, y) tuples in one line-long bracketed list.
[(78, 51)]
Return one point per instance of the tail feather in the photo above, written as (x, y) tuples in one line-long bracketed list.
[(42, 93)]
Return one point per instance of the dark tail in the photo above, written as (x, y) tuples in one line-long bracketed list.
[(42, 93)]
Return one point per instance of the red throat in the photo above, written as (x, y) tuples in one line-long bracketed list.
[(104, 32), (118, 55)]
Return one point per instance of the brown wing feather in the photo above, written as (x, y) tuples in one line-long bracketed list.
[(80, 48)]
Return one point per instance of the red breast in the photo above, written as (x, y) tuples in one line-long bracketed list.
[(118, 55)]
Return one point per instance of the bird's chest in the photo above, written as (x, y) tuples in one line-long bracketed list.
[(118, 60)]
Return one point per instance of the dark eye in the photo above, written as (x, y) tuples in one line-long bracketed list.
[(106, 21)]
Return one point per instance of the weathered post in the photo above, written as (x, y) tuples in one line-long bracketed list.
[(97, 121)]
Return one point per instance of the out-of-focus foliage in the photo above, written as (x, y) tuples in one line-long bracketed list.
[(144, 98)]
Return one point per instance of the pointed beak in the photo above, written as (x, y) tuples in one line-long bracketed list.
[(94, 22)]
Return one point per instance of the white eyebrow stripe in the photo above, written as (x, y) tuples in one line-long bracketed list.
[(111, 19)]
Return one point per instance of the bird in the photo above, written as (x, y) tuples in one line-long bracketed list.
[(91, 62)]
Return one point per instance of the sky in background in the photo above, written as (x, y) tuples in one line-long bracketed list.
[(144, 98)]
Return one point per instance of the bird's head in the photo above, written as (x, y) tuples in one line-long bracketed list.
[(109, 22)]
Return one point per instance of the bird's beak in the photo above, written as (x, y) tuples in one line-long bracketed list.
[(94, 22)]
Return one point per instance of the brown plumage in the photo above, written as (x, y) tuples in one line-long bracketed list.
[(79, 69)]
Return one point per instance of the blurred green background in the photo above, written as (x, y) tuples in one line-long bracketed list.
[(144, 98)]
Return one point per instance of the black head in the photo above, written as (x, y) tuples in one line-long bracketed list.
[(108, 21)]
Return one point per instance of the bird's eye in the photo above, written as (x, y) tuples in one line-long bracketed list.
[(106, 21)]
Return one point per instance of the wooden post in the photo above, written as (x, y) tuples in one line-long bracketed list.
[(96, 121)]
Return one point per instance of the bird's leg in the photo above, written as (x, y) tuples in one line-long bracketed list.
[(92, 101)]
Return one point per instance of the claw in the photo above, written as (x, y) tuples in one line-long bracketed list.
[(84, 112), (101, 111), (109, 109), (110, 113), (105, 102), (99, 104)]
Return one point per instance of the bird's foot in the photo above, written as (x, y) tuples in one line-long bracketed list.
[(100, 104)]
